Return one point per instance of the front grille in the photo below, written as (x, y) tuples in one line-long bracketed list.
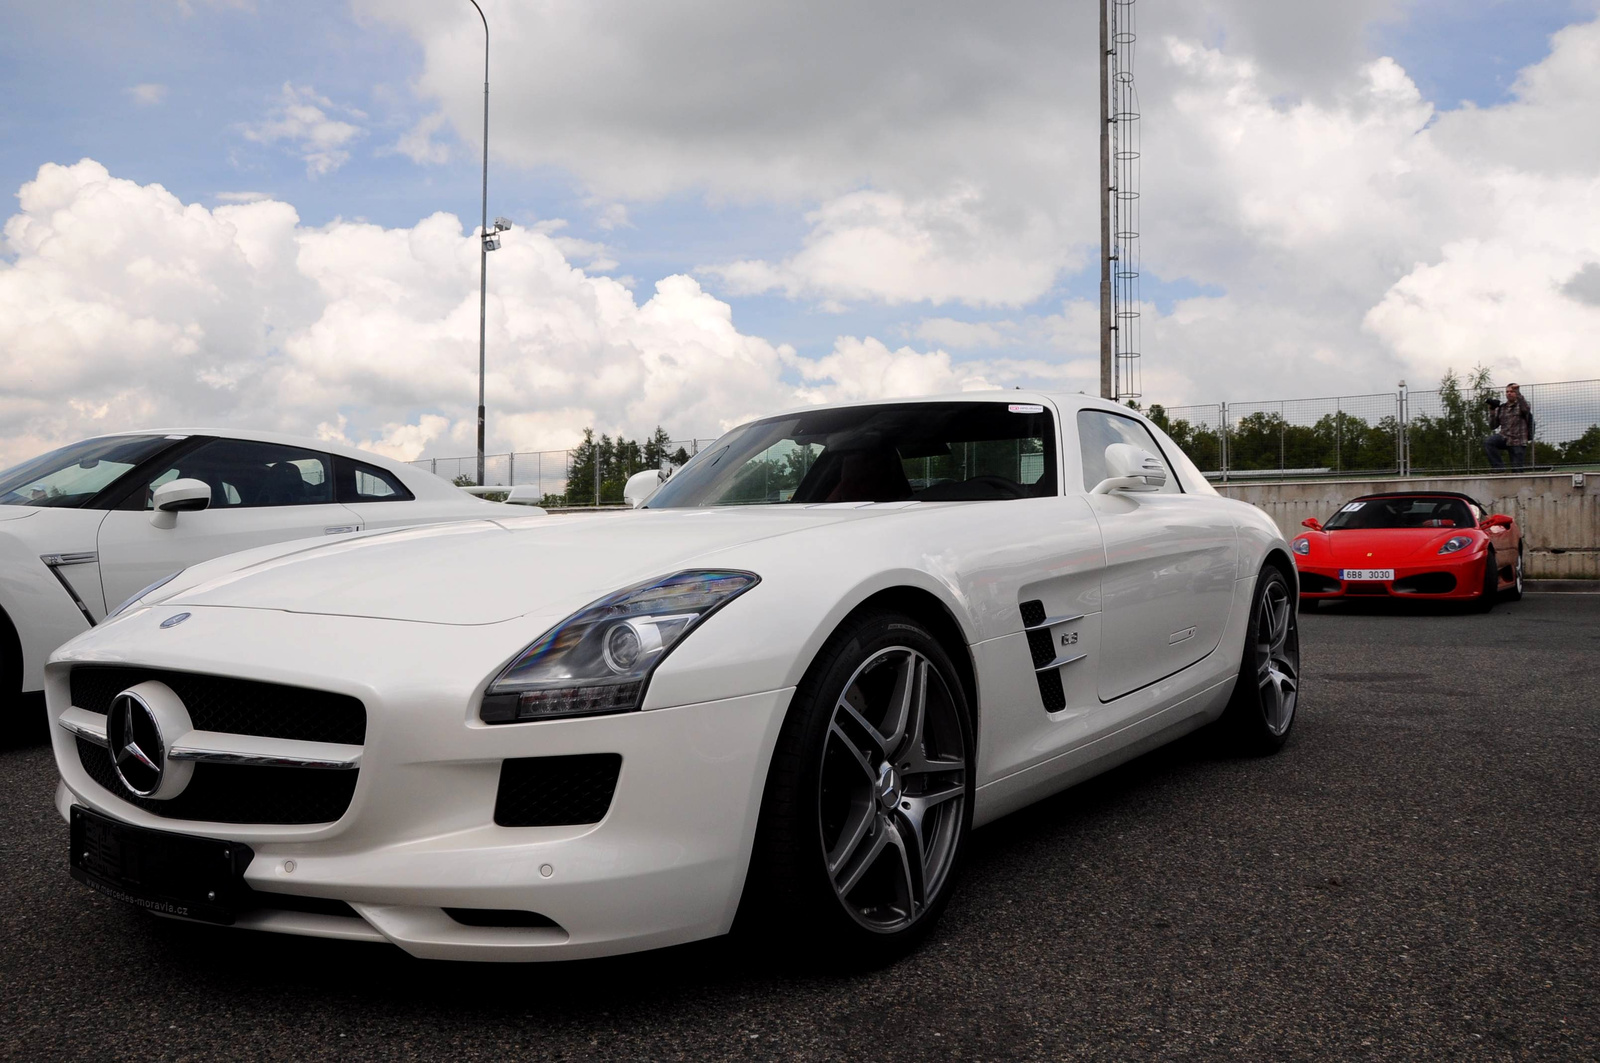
[(556, 791), (236, 793), (1312, 583), (1370, 589), (1426, 583), (233, 706)]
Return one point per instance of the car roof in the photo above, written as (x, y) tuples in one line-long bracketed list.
[(1065, 401), (1422, 494)]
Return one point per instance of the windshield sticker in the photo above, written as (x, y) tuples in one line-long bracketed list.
[(1018, 407), (1351, 507)]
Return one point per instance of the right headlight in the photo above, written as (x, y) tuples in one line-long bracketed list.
[(1454, 543), (599, 659), (1301, 546)]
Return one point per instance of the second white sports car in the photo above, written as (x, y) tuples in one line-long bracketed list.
[(86, 527), (786, 689)]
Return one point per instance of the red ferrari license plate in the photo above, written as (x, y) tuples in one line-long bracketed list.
[(1367, 574)]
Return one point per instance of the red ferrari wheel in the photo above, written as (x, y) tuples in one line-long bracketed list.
[(1491, 582)]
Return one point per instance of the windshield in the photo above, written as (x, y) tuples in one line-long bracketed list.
[(926, 451), (1403, 513), (70, 477)]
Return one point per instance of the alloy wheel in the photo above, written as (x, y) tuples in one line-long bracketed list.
[(893, 789), (1277, 658)]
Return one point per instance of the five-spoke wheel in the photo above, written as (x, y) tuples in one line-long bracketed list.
[(1268, 689), (891, 788), (869, 798)]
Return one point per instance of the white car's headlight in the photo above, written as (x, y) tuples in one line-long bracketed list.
[(157, 585), (1454, 543), (1301, 546), (600, 658)]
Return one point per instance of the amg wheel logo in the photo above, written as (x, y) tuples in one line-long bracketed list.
[(174, 621)]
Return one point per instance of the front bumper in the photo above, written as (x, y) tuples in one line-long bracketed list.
[(1440, 578), (666, 864)]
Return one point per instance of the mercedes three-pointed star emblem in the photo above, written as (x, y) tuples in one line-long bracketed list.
[(138, 750)]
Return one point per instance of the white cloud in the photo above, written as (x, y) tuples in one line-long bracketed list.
[(121, 306), (418, 145), (242, 197), (958, 247), (946, 156), (299, 119), (148, 94)]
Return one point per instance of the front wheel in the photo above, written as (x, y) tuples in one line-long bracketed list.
[(1262, 709), (1491, 582), (869, 798)]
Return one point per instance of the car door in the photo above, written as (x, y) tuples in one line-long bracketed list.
[(1171, 561), (261, 493)]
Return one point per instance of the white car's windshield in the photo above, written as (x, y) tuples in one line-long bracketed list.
[(70, 477), (928, 451)]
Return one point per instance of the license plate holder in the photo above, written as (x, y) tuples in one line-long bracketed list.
[(1381, 575), (159, 871)]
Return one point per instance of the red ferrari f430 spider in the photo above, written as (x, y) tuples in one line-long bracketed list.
[(1423, 544)]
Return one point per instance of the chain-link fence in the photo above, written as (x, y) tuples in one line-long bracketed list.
[(575, 477), (1396, 433)]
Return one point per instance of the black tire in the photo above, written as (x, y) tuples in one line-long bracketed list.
[(1266, 698), (831, 879), (1490, 592), (1514, 592)]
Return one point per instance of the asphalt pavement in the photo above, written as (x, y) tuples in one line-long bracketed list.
[(1413, 876)]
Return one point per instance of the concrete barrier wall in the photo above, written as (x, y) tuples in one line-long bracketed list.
[(1560, 523)]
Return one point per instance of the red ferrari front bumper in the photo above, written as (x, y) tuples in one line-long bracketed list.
[(1443, 577)]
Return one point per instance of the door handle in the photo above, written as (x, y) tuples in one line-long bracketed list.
[(340, 529)]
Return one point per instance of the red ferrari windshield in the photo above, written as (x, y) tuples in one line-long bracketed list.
[(1402, 513)]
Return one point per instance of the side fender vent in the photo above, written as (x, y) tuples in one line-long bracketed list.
[(1042, 648)]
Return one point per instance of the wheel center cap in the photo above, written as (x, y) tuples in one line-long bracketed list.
[(888, 786)]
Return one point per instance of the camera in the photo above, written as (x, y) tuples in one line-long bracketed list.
[(1492, 402)]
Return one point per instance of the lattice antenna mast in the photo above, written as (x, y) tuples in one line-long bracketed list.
[(1124, 128)]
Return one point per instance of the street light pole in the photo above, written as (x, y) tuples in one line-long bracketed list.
[(483, 240)]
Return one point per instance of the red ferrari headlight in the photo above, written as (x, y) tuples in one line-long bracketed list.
[(1454, 543)]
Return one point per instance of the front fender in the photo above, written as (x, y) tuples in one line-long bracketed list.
[(39, 608)]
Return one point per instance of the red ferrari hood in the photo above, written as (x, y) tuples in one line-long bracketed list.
[(1382, 546)]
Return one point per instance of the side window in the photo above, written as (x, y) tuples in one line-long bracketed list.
[(360, 482), (1098, 429), (246, 475)]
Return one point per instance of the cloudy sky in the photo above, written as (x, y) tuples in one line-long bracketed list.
[(261, 213)]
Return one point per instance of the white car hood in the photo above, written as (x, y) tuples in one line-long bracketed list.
[(484, 572)]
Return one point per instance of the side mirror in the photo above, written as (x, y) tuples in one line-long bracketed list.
[(1131, 468), (640, 486), (178, 496), (1497, 519), (1311, 522)]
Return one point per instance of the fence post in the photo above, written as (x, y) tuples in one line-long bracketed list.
[(1338, 434), (540, 474), (1222, 442), (1283, 426)]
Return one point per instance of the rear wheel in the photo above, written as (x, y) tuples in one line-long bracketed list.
[(1491, 582), (1267, 694), (869, 799)]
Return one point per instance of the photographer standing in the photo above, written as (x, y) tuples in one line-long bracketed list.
[(1512, 425)]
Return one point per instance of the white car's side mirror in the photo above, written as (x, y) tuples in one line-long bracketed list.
[(178, 496), (1131, 468), (640, 486)]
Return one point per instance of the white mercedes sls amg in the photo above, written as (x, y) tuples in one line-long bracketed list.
[(784, 690)]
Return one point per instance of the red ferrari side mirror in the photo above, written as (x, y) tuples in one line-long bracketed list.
[(1311, 522), (1497, 518)]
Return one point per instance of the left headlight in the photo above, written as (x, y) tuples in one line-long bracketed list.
[(599, 659), (1454, 543)]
